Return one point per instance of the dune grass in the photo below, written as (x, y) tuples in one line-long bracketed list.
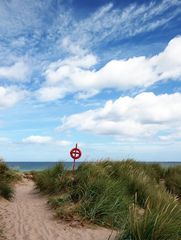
[(160, 223), (7, 177), (125, 195), (173, 180)]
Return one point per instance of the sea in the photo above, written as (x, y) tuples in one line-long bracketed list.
[(38, 166)]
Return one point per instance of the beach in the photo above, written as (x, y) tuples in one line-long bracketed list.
[(28, 217)]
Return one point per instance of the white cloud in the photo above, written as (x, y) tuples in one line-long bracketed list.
[(9, 96), (75, 49), (145, 115), (46, 94), (63, 69), (17, 16), (58, 83), (105, 24), (168, 63), (78, 75), (15, 72), (37, 139)]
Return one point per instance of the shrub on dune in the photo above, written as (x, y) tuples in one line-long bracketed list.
[(48, 180), (173, 180), (7, 176), (3, 167), (6, 190)]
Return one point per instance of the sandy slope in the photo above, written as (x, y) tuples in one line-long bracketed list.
[(28, 217)]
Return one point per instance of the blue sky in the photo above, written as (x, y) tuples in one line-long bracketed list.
[(105, 74)]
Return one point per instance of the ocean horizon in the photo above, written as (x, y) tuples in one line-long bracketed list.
[(38, 166)]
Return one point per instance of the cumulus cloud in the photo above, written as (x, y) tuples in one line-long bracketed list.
[(16, 72), (78, 75), (51, 93), (9, 96), (144, 115), (58, 76)]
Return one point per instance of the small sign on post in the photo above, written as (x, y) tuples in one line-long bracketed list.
[(75, 153)]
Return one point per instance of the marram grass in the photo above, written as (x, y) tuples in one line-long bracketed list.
[(7, 176), (127, 196)]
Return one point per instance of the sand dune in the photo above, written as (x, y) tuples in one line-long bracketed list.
[(28, 217)]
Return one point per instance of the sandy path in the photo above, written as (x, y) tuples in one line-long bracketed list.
[(28, 217)]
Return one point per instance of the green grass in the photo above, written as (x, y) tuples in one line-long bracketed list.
[(48, 180), (173, 180), (103, 199), (7, 177), (161, 223), (6, 190), (126, 196)]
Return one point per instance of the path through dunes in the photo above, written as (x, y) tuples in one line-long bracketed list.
[(28, 217)]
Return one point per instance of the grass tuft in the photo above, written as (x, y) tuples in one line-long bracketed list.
[(161, 223), (173, 180), (7, 177)]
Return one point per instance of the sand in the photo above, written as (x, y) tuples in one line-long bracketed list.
[(28, 217)]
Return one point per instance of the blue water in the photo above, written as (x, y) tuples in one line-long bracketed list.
[(29, 166), (37, 166)]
